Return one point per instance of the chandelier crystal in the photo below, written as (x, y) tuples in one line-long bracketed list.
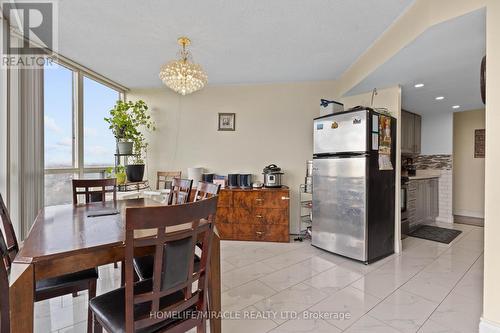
[(183, 76)]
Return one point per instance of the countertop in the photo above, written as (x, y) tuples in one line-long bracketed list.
[(419, 177), (426, 174)]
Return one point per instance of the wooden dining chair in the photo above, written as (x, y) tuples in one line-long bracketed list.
[(52, 287), (94, 190), (180, 191), (144, 265), (206, 190), (4, 287), (175, 299), (165, 178)]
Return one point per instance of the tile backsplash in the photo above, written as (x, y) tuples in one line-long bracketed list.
[(434, 162), (427, 164)]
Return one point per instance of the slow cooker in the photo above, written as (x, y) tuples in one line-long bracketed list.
[(272, 176)]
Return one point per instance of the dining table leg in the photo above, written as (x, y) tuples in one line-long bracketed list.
[(214, 296), (21, 298)]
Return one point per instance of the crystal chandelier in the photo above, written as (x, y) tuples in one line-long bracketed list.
[(183, 76)]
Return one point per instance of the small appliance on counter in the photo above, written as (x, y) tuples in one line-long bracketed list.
[(245, 180), (195, 174), (220, 180), (409, 168), (272, 176), (207, 177), (257, 185), (233, 180)]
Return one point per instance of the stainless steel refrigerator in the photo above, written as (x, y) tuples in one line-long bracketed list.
[(354, 184)]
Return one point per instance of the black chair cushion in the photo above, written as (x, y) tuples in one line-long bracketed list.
[(109, 308), (144, 266), (66, 280)]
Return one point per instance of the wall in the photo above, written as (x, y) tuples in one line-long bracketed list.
[(491, 311), (468, 177), (273, 125), (437, 133), (389, 98)]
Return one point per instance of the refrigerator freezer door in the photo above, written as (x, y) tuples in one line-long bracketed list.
[(342, 133), (339, 206)]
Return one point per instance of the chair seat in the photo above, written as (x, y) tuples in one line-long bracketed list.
[(109, 308), (144, 266), (66, 280)]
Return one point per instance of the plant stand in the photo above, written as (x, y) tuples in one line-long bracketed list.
[(130, 187)]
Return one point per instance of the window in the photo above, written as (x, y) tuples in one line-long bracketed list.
[(58, 117), (99, 143), (78, 142)]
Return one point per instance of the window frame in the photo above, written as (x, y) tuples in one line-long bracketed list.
[(78, 74)]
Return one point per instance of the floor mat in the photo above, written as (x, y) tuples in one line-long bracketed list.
[(436, 234)]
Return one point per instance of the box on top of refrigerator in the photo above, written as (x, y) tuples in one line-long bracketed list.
[(328, 107)]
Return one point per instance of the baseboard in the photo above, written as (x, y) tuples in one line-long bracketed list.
[(444, 219), (486, 326), (469, 213)]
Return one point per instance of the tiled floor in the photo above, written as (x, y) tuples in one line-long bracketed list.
[(430, 287)]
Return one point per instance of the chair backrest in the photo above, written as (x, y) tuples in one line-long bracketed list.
[(165, 178), (206, 190), (4, 287), (10, 239), (94, 190), (180, 191), (177, 230)]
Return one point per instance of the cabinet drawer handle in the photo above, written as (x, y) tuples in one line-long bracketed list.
[(260, 232), (259, 216), (285, 198), (259, 200)]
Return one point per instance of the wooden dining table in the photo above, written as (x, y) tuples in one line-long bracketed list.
[(66, 239)]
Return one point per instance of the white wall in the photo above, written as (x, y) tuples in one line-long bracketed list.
[(437, 133), (273, 125)]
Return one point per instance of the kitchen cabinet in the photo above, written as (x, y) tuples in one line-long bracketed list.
[(423, 201), (254, 214), (411, 132)]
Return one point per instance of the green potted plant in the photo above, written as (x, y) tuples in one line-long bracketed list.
[(119, 173), (126, 121), (123, 122)]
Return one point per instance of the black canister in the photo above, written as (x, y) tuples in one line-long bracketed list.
[(245, 180), (207, 177), (233, 180)]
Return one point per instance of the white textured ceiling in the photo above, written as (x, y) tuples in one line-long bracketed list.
[(236, 41), (446, 58)]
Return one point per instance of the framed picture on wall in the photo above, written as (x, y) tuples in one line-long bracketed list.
[(479, 140), (227, 121)]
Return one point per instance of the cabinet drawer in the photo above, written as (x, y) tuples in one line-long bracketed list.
[(270, 216), (274, 199), (226, 230), (244, 199), (256, 232), (225, 199)]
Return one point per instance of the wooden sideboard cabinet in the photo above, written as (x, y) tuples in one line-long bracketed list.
[(254, 214)]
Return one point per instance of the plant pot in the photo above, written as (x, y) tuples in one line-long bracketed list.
[(135, 172), (121, 178), (125, 147)]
